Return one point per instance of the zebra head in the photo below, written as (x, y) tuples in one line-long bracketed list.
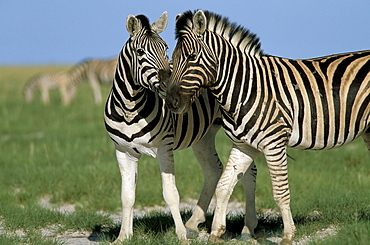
[(195, 65), (148, 52)]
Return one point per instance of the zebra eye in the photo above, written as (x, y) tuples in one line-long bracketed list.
[(140, 51), (192, 56)]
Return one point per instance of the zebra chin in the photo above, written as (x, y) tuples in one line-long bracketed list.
[(177, 104), (178, 109)]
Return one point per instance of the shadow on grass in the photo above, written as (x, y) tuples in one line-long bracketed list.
[(157, 224), (161, 223)]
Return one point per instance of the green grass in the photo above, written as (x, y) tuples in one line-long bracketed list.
[(63, 153), (30, 238)]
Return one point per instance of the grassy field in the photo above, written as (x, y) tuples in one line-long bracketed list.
[(64, 155)]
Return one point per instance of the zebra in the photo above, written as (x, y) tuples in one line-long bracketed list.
[(138, 122), (47, 81), (267, 103), (96, 71)]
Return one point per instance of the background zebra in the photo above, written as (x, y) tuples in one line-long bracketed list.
[(48, 81), (96, 72), (268, 103)]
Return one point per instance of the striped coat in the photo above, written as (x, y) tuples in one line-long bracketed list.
[(268, 103)]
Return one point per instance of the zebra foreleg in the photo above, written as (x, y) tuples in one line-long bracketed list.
[(127, 164), (28, 93), (206, 154), (250, 219), (236, 167), (94, 83), (170, 193)]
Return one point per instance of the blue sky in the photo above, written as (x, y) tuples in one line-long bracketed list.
[(41, 32)]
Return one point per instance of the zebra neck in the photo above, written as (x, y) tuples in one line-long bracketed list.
[(129, 98), (130, 94), (236, 81)]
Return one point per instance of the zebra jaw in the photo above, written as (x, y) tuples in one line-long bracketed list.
[(197, 94)]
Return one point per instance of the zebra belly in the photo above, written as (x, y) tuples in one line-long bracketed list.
[(306, 140), (136, 146)]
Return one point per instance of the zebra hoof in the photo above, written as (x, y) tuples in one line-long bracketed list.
[(215, 239), (245, 237), (191, 234), (286, 242)]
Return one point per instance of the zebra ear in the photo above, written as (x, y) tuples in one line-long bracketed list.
[(159, 25), (199, 22), (178, 16), (132, 25)]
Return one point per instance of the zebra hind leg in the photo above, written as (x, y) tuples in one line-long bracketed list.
[(170, 193), (250, 219), (278, 168), (206, 154)]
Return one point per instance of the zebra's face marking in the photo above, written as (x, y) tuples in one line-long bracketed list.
[(148, 61), (148, 52), (195, 65)]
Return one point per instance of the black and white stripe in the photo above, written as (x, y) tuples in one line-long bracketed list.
[(138, 122), (268, 103)]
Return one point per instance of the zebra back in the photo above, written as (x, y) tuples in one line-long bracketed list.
[(101, 70), (328, 97)]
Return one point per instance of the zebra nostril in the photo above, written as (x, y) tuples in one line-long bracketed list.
[(172, 102), (176, 102)]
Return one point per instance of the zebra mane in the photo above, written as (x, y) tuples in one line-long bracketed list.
[(238, 35)]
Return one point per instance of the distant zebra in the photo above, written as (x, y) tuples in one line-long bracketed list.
[(138, 122), (268, 103), (49, 81), (96, 72)]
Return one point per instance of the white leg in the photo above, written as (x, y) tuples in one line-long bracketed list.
[(94, 83), (67, 91), (277, 164), (128, 168), (45, 94), (170, 193), (236, 166), (250, 219), (206, 155)]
